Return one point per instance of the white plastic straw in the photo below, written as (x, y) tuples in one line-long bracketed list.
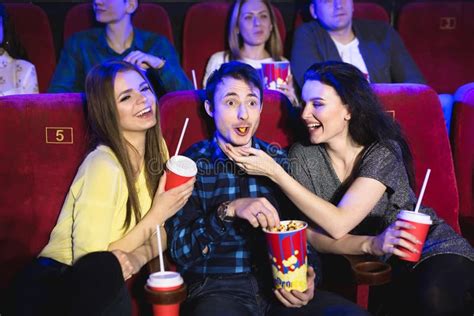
[(422, 192), (194, 79), (160, 248), (182, 135)]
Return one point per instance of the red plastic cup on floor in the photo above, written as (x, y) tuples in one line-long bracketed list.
[(179, 169), (422, 223), (275, 74), (287, 252), (165, 290)]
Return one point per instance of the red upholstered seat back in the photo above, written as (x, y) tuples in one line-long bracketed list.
[(463, 147), (205, 33), (275, 126), (439, 37), (33, 30), (362, 11), (417, 109), (43, 141), (149, 16)]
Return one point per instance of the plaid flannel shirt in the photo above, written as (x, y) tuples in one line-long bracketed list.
[(199, 242)]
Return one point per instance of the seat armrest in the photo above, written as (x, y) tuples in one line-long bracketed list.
[(369, 270)]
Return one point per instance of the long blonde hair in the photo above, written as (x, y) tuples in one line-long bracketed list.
[(235, 41), (103, 124)]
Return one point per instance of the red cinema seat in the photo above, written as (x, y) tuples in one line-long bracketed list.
[(463, 152), (439, 37), (149, 16), (205, 33), (45, 141), (32, 27), (45, 137), (175, 107), (417, 109), (362, 11)]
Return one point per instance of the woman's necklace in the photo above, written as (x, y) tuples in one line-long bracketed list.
[(343, 170)]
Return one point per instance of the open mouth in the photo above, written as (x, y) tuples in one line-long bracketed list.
[(314, 126), (143, 112), (242, 131)]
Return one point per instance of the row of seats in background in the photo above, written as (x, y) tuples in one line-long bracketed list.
[(44, 140), (437, 34)]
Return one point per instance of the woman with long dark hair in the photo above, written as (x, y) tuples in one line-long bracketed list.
[(353, 176), (105, 231)]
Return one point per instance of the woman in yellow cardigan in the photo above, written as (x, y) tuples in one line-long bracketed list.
[(105, 231)]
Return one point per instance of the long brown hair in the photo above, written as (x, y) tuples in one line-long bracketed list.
[(103, 123), (235, 41), (369, 123)]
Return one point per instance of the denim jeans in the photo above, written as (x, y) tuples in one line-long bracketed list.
[(240, 294)]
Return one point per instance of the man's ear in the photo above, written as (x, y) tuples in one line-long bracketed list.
[(208, 107), (132, 5), (312, 10)]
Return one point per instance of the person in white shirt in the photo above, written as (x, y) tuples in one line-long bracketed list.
[(254, 39), (17, 76), (374, 47)]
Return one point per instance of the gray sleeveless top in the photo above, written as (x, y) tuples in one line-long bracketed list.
[(311, 166)]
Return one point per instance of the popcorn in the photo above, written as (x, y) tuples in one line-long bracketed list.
[(290, 226)]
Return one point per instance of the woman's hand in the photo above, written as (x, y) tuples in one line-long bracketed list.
[(297, 299), (288, 89), (130, 263), (254, 161), (164, 205), (167, 203), (144, 60), (393, 237)]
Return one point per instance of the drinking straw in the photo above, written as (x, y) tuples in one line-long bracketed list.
[(182, 135), (160, 248), (423, 187), (194, 79)]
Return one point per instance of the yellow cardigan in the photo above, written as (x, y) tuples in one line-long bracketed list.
[(94, 211)]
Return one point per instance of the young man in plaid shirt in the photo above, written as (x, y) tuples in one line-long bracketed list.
[(216, 238)]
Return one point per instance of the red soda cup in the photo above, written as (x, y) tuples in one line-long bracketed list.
[(179, 169), (421, 223)]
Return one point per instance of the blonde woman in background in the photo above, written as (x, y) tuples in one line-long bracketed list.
[(254, 39)]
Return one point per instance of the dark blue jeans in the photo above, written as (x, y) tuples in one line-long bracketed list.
[(93, 286), (240, 294)]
